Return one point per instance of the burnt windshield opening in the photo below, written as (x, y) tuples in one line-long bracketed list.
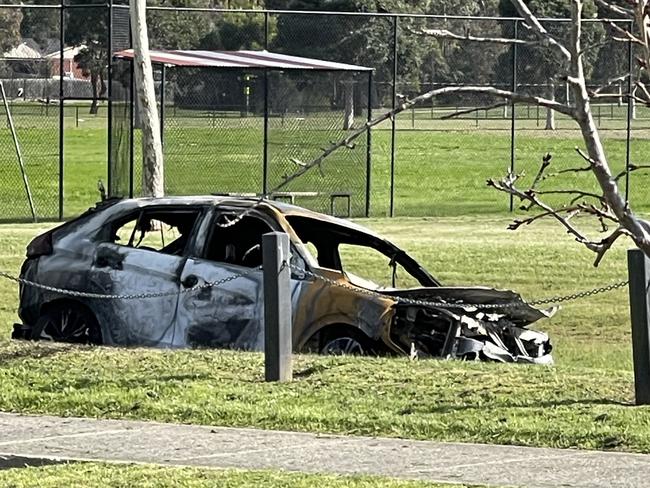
[(359, 254)]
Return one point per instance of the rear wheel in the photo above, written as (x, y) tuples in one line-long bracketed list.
[(67, 323)]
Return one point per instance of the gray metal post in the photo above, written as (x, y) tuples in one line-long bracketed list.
[(639, 273), (277, 307)]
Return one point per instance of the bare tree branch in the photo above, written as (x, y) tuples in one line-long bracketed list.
[(609, 82), (564, 216), (627, 35), (538, 28), (446, 34), (616, 9), (507, 185), (406, 104), (605, 245), (631, 167)]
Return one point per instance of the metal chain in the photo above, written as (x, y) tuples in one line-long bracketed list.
[(302, 273), (411, 301), (134, 296), (581, 294)]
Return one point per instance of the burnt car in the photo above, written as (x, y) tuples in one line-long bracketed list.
[(173, 247)]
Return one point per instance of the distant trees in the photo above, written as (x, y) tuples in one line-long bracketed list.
[(10, 20)]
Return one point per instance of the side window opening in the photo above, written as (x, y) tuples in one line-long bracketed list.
[(371, 264), (167, 232), (239, 244)]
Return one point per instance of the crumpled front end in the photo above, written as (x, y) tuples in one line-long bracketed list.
[(471, 331)]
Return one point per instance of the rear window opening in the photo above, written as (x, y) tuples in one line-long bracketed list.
[(166, 232)]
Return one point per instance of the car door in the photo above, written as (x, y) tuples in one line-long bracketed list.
[(231, 314), (144, 255)]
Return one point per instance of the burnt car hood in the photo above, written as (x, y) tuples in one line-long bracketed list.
[(471, 299)]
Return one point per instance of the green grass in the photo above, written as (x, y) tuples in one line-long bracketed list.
[(90, 475), (440, 170), (584, 401)]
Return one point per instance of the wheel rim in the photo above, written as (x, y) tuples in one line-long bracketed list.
[(65, 326), (343, 346)]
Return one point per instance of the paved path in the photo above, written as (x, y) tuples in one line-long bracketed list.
[(52, 438)]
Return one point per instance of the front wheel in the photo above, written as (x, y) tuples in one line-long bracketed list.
[(67, 323), (345, 343)]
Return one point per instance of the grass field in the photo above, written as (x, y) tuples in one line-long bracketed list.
[(584, 401), (95, 475), (441, 166)]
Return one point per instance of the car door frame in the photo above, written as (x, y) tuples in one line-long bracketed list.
[(117, 316)]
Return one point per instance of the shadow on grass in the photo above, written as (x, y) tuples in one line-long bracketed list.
[(506, 404), (13, 462), (29, 350)]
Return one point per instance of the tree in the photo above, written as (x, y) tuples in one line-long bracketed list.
[(88, 28), (608, 205), (152, 154), (10, 19)]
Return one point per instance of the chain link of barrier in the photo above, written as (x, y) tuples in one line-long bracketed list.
[(301, 272), (411, 301), (134, 296)]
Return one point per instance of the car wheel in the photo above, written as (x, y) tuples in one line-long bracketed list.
[(345, 343), (67, 323)]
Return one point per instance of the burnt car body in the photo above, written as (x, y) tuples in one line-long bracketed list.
[(140, 246)]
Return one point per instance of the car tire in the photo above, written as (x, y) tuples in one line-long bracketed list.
[(67, 323), (345, 343)]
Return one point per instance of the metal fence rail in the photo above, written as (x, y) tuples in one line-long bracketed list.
[(421, 163)]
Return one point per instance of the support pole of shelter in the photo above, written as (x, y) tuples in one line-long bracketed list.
[(277, 307), (152, 154), (639, 273), (19, 155)]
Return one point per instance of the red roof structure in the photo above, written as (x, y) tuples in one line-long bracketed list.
[(241, 60)]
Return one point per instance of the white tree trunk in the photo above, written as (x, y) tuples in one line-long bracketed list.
[(348, 122), (550, 113), (152, 154)]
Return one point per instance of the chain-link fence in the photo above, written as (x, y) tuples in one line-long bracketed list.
[(219, 137)]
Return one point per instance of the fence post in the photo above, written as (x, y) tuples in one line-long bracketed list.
[(639, 274), (277, 307), (391, 210), (513, 115)]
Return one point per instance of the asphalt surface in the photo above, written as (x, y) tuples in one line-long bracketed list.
[(39, 440)]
